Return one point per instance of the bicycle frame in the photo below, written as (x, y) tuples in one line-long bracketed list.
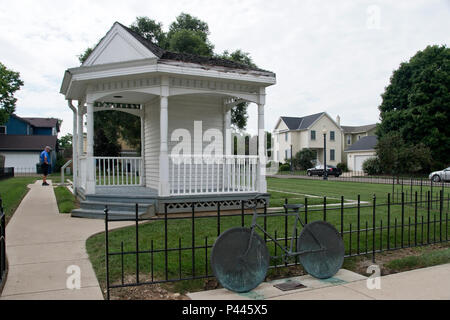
[(287, 253)]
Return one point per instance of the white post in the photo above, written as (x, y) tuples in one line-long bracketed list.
[(226, 131), (142, 166), (90, 181), (74, 148), (164, 187), (80, 130), (262, 184)]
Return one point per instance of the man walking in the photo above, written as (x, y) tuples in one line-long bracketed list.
[(45, 164)]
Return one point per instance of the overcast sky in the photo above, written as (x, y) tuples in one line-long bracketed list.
[(333, 56)]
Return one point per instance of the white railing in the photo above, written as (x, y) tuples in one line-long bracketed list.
[(118, 171), (192, 174)]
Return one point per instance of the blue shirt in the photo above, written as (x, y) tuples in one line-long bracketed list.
[(44, 154)]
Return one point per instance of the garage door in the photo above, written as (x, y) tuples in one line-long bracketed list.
[(359, 160), (23, 162)]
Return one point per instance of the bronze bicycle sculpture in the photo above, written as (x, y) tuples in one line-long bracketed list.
[(240, 257)]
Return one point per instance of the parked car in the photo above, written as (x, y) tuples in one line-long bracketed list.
[(318, 171), (443, 175)]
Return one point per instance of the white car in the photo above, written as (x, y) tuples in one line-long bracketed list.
[(443, 175)]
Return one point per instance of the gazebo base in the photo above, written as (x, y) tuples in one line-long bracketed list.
[(121, 202)]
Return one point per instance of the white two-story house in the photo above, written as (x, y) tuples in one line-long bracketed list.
[(292, 134)]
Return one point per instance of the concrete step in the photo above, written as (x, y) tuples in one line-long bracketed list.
[(113, 215), (115, 206), (132, 199)]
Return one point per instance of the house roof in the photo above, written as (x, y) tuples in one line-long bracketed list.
[(300, 123), (184, 57), (26, 143), (366, 143), (357, 129), (43, 122)]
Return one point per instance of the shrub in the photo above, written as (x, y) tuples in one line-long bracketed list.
[(342, 166), (304, 159), (371, 166), (285, 167)]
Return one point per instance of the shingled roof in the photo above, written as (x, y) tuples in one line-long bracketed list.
[(366, 143), (356, 129), (26, 143), (184, 57), (301, 123), (42, 122)]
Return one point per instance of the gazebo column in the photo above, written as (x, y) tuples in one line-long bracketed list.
[(262, 184), (142, 168), (226, 130), (90, 179), (164, 186)]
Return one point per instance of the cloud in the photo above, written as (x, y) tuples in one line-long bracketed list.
[(326, 55)]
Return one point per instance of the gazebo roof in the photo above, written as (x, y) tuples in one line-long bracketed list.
[(184, 57), (123, 54)]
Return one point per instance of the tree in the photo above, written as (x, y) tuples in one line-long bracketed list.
[(416, 103), (150, 30), (304, 159), (106, 134), (65, 142), (397, 157), (10, 82)]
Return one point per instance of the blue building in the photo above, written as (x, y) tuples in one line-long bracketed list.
[(22, 140)]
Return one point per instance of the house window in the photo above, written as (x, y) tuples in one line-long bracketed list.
[(331, 135), (313, 135), (2, 129), (286, 136), (349, 139), (286, 154), (54, 133), (332, 154)]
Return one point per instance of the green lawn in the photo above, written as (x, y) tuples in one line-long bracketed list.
[(65, 199), (206, 230), (12, 191)]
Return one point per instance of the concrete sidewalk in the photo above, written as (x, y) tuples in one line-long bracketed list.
[(42, 244), (431, 283)]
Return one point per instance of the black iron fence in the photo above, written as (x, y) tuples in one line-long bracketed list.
[(175, 247), (3, 265), (6, 173), (361, 176)]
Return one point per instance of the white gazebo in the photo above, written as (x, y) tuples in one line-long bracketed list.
[(184, 104)]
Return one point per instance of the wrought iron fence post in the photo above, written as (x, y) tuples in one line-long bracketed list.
[(441, 204), (389, 221), (415, 219), (403, 219), (137, 241), (373, 224), (107, 252)]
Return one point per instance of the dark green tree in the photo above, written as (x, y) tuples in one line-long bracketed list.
[(150, 30), (397, 157), (65, 141), (106, 134), (9, 83), (416, 103), (304, 159)]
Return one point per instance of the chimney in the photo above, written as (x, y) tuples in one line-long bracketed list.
[(338, 120)]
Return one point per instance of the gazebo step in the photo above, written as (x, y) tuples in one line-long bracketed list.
[(115, 206), (99, 214), (131, 199)]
